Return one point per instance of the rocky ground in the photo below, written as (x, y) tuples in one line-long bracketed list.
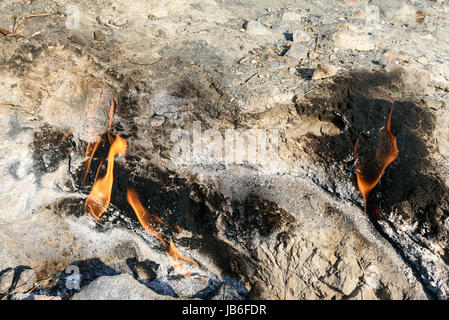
[(322, 73)]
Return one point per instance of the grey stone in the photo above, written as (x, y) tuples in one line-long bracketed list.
[(120, 287), (144, 272)]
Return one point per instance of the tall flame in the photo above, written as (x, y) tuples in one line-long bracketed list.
[(369, 172), (142, 214), (100, 196)]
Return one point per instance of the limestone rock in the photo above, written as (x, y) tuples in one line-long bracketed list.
[(120, 287), (297, 51), (99, 35)]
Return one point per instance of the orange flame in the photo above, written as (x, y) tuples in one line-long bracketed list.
[(100, 196), (370, 172), (98, 170), (159, 220), (174, 256), (142, 214)]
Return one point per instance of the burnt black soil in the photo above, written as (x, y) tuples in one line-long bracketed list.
[(358, 105), (409, 179), (50, 147)]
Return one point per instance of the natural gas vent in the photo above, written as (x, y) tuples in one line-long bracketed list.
[(370, 170)]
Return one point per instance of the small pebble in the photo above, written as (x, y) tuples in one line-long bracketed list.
[(144, 272), (99, 35), (324, 71)]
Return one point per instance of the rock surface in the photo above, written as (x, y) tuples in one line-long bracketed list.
[(121, 287)]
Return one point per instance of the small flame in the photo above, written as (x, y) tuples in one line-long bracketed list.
[(100, 196), (159, 220), (174, 256), (178, 228), (369, 173), (64, 138), (142, 214)]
